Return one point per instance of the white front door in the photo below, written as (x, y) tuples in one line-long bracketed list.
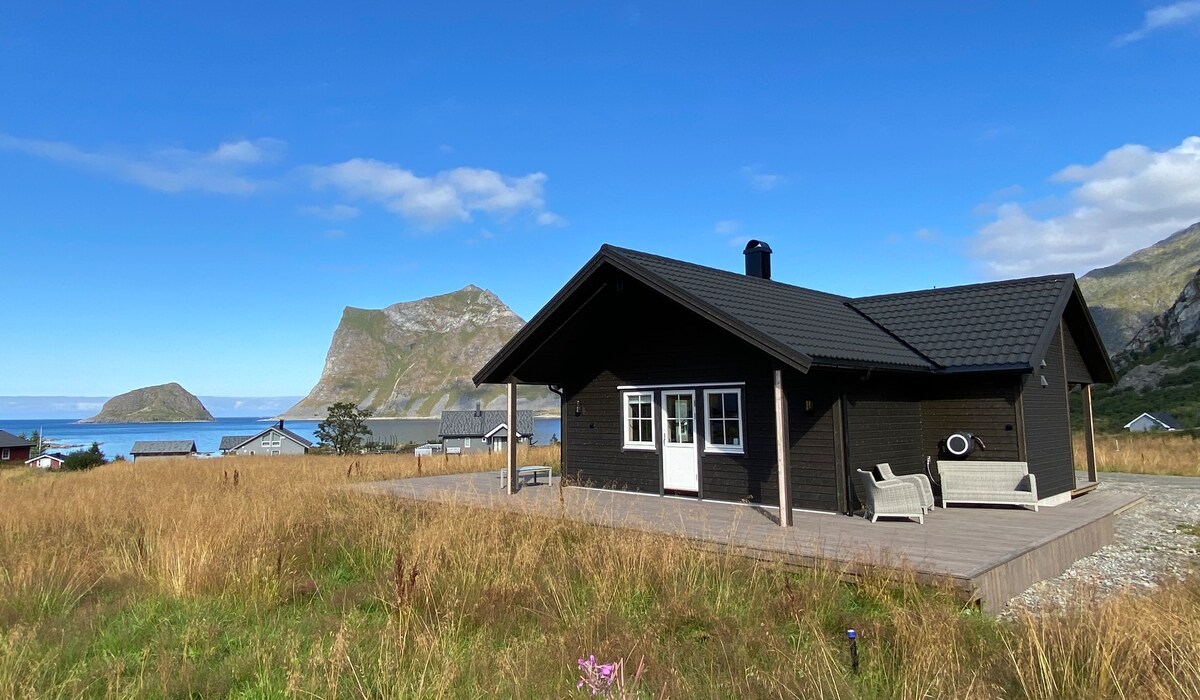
[(681, 465)]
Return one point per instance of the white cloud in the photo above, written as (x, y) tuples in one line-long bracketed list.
[(1129, 199), (759, 180), (927, 235), (221, 170), (1161, 17), (446, 197), (334, 212), (725, 227)]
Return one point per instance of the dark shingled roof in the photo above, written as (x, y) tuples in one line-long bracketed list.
[(997, 325), (163, 447), (821, 327), (229, 442), (469, 424), (7, 439)]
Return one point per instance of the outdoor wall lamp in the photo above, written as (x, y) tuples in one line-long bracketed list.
[(578, 408), (1044, 382)]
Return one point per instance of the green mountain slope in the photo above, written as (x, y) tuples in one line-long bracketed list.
[(1125, 296), (165, 403), (417, 358)]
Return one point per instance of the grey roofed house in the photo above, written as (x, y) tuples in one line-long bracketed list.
[(1153, 421), (480, 423), (7, 439), (678, 378), (274, 440), (230, 442), (162, 448), (479, 431)]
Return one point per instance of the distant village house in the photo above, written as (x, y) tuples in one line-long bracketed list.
[(160, 449), (13, 448), (481, 431), (51, 460), (1148, 422), (276, 440)]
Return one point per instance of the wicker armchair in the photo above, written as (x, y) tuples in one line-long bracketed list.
[(890, 498), (919, 480)]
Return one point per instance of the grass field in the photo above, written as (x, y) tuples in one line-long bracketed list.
[(1175, 454), (178, 579)]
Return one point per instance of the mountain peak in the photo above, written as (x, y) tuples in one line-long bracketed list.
[(1125, 296), (416, 358)]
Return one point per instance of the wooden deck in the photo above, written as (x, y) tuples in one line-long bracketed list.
[(990, 554)]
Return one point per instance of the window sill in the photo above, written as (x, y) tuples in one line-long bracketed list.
[(724, 451), (640, 448)]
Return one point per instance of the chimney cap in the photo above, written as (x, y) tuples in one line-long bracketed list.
[(753, 245)]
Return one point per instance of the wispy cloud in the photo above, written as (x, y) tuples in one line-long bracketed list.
[(443, 198), (757, 178), (334, 212), (222, 170), (1131, 198), (725, 227), (927, 235), (1161, 17)]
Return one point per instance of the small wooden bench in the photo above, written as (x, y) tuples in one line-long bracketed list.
[(526, 472)]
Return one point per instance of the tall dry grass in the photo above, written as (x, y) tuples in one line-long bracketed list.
[(1142, 453), (167, 579)]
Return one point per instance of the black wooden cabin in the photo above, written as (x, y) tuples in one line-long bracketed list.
[(682, 379)]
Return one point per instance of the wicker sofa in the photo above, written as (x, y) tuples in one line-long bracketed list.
[(988, 482)]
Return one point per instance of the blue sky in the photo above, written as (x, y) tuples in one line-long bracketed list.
[(194, 193)]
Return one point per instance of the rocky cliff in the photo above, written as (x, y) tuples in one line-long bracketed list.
[(165, 403), (1126, 296), (1165, 345), (416, 358)]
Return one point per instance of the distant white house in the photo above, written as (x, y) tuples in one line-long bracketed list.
[(428, 449), (50, 460), (1153, 421)]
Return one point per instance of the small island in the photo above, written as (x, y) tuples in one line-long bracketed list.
[(165, 403)]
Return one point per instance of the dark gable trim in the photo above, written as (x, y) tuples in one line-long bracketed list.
[(1091, 347), (499, 369)]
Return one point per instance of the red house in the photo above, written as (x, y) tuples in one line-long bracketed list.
[(13, 448)]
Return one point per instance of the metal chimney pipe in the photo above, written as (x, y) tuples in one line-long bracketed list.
[(758, 259)]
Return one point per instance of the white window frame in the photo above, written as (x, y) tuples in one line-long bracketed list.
[(709, 446), (626, 437), (5, 454), (466, 442)]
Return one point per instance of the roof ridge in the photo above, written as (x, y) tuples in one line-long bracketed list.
[(738, 275), (974, 285)]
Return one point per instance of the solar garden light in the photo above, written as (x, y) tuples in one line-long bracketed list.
[(853, 637)]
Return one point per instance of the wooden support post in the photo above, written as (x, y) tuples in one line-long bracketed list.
[(1089, 434), (781, 452), (512, 437)]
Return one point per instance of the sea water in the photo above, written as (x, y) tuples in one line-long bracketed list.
[(65, 435)]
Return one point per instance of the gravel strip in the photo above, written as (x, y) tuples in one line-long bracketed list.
[(1150, 548)]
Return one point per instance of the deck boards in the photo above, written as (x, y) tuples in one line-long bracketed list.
[(989, 553)]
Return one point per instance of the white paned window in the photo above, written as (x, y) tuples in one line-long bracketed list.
[(639, 420), (723, 413)]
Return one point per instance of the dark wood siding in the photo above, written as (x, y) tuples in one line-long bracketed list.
[(883, 424), (1047, 425), (982, 405), (1077, 370), (629, 336), (813, 447)]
